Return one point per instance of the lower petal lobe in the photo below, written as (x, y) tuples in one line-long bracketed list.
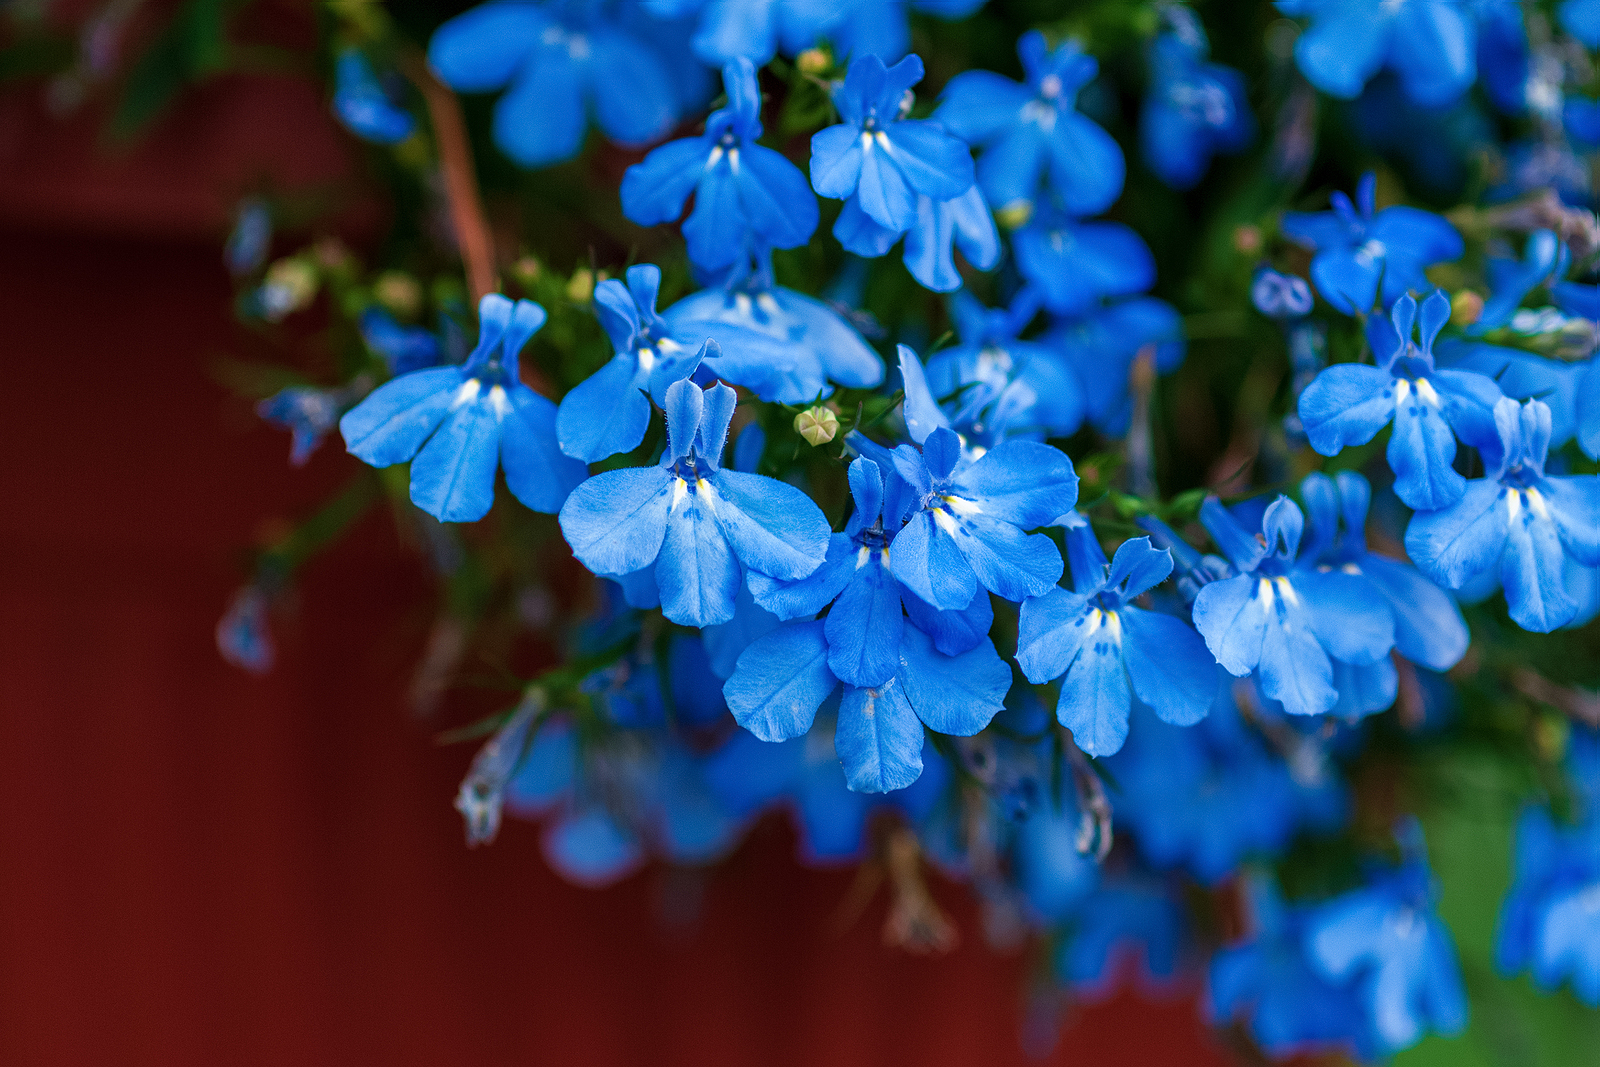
[(697, 573), (780, 681), (878, 738), (605, 414), (616, 521), (452, 478)]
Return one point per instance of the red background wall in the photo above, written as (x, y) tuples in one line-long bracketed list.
[(198, 867)]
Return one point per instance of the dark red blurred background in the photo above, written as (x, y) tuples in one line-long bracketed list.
[(199, 867)]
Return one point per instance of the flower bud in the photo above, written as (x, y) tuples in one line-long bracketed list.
[(580, 287), (817, 425), (813, 61), (399, 292), (1466, 308), (1015, 214)]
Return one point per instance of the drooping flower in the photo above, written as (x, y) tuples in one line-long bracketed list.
[(1430, 44), (783, 345), (1348, 403), (1107, 651), (880, 160), (744, 192), (564, 63), (608, 412), (308, 413), (692, 522), (1033, 132), (1356, 246), (1518, 519), (1075, 265), (463, 423), (1287, 620), (1194, 109), (1386, 939), (934, 668), (361, 103)]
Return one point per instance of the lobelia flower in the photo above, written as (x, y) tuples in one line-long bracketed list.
[(940, 227), (1101, 344), (803, 774), (783, 345), (308, 413), (966, 521), (941, 670), (564, 62), (462, 423), (1193, 109), (1002, 387), (1107, 651), (753, 30), (1077, 264), (1550, 922), (1268, 980), (1544, 259), (1517, 518), (742, 190), (1386, 939), (690, 520), (1124, 916), (1348, 403), (1208, 797), (879, 162), (361, 103), (1287, 620), (1356, 246), (879, 27), (1430, 44), (1032, 132), (251, 238), (1280, 296), (608, 412), (1581, 18), (402, 348)]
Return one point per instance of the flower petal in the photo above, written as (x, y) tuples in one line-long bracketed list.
[(605, 414), (616, 521), (780, 680), (773, 527), (452, 478), (878, 738), (955, 695), (696, 572)]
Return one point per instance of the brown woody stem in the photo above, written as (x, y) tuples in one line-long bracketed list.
[(460, 179)]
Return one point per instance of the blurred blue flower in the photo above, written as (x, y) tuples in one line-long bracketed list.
[(242, 635), (1348, 403), (361, 103), (940, 227), (879, 160), (1550, 922), (1285, 619), (1280, 296), (743, 192), (879, 27), (783, 345), (1125, 920), (1076, 264), (251, 238), (1430, 44), (463, 423), (1106, 651), (308, 413), (1032, 131), (1581, 18), (1386, 939), (1101, 343), (609, 412), (691, 521), (1356, 246), (403, 348), (564, 62), (1544, 260), (943, 672), (1192, 110), (753, 30), (1517, 519)]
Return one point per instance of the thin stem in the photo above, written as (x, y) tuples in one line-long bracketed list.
[(460, 179)]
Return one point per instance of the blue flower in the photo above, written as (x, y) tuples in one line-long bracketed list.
[(1503, 57), (1518, 519), (743, 192), (242, 635), (754, 30), (609, 412), (462, 423), (1549, 921), (1287, 620), (1002, 387), (363, 105), (1107, 651), (1053, 875), (1348, 403), (1428, 627), (250, 240), (1210, 796), (1280, 296), (1102, 343), (1386, 939), (1192, 110), (1356, 248), (783, 345), (878, 158), (940, 670), (692, 521), (1430, 44), (1032, 131), (403, 348), (940, 227), (1268, 980), (308, 413), (879, 27), (1076, 264), (1544, 259), (563, 62), (1122, 917), (1581, 18), (803, 774), (965, 522)]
